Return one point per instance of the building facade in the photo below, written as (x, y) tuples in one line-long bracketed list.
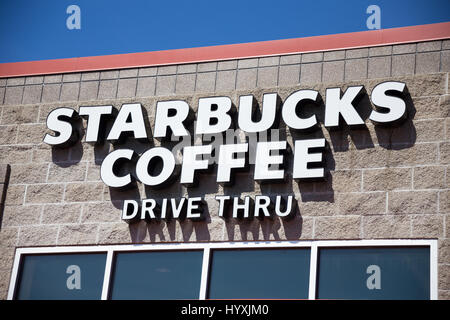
[(385, 187)]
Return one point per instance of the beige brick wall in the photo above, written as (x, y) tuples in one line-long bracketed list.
[(383, 183)]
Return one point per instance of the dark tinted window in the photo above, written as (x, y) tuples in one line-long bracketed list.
[(61, 276), (274, 273), (374, 273), (157, 275)]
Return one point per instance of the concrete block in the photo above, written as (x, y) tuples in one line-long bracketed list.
[(127, 87), (187, 68), (38, 235), (386, 227), (44, 193), (333, 71), (445, 61), (34, 80), (247, 63), (226, 80), (88, 76), (207, 66), (205, 82), (71, 77), (50, 92), (246, 79), (379, 67), (269, 61), (267, 77), (429, 46), (13, 95), (334, 55), (387, 179), (289, 75), (146, 87), (81, 192), (403, 64), (227, 65), (165, 85), (107, 89), (167, 70), (61, 213), (54, 78), (290, 59), (67, 173), (337, 228), (412, 202), (311, 73), (89, 90), (404, 48), (28, 173), (312, 57), (31, 133), (357, 53), (128, 73), (21, 215), (355, 69), (380, 51), (32, 94), (426, 226), (111, 74), (427, 62), (19, 81), (70, 91), (73, 234), (185, 83), (149, 71)]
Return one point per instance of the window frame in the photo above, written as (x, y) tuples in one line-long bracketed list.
[(206, 247)]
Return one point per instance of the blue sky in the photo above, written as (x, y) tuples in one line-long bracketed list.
[(36, 30)]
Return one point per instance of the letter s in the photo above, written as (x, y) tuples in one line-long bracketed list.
[(61, 121)]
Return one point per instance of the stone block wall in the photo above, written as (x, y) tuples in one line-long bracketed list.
[(383, 183)]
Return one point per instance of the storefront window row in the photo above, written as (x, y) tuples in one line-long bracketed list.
[(364, 269)]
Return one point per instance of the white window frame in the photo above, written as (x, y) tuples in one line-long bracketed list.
[(110, 250)]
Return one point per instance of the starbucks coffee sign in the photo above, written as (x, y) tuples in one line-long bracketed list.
[(216, 116)]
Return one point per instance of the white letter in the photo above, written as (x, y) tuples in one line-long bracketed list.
[(148, 206), (129, 217), (395, 105), (337, 105), (302, 157), (74, 281), (132, 111), (269, 108), (262, 203), (107, 168), (74, 20), (279, 204), (93, 115), (171, 114), (61, 121), (373, 21), (190, 162), (374, 281), (205, 113), (192, 211), (289, 109), (222, 205), (264, 158), (245, 206), (143, 166), (226, 161)]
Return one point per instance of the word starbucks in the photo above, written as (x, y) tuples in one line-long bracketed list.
[(214, 116)]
